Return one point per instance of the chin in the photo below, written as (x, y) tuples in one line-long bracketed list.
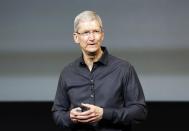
[(92, 50)]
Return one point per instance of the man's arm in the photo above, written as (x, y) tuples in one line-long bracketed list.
[(134, 109), (61, 105)]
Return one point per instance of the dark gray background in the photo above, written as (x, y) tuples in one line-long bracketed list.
[(36, 43)]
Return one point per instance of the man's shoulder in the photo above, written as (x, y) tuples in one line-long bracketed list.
[(70, 66), (119, 61)]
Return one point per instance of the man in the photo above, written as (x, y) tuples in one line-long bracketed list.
[(97, 91)]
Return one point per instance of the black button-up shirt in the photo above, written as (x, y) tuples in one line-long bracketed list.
[(112, 84)]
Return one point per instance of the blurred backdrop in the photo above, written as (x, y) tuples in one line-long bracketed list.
[(36, 43)]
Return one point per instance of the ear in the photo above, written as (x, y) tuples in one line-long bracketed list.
[(75, 37), (102, 38)]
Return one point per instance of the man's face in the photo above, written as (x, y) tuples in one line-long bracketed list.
[(89, 36)]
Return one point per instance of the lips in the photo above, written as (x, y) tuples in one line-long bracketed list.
[(92, 44)]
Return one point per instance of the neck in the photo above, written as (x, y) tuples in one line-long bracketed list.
[(91, 57)]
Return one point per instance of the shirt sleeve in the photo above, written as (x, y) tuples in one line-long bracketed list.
[(134, 109), (61, 106)]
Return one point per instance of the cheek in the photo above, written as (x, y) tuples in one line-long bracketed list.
[(83, 43), (100, 39)]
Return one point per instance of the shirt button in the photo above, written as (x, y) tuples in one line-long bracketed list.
[(92, 95)]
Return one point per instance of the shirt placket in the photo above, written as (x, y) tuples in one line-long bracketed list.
[(92, 86), (92, 95)]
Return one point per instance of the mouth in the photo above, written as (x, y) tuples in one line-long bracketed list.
[(92, 44)]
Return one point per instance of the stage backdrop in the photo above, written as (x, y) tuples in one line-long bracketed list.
[(36, 43)]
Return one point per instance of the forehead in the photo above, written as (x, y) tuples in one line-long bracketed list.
[(88, 25)]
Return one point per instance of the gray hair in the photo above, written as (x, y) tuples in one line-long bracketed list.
[(86, 15)]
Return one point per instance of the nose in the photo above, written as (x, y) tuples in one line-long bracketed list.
[(91, 36)]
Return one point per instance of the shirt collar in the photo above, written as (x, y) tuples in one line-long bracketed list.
[(103, 60)]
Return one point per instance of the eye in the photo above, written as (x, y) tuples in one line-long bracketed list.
[(96, 31), (86, 33)]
